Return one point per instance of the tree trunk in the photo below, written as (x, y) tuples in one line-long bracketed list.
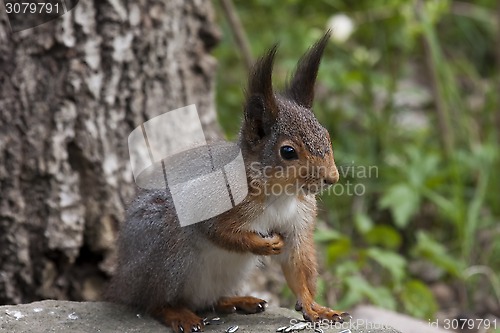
[(71, 91)]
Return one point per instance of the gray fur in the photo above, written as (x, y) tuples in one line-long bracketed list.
[(297, 122), (153, 256)]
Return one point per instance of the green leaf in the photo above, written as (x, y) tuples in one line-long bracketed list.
[(357, 288), (382, 297), (327, 236), (436, 253), (346, 268), (338, 249), (418, 300), (391, 261), (353, 291), (403, 201), (385, 236), (363, 223)]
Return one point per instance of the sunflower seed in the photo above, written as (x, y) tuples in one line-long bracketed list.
[(318, 330), (281, 329), (300, 326), (297, 327), (232, 329)]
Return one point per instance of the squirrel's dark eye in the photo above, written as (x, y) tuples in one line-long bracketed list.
[(288, 153)]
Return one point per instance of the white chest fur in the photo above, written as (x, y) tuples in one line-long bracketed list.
[(284, 214)]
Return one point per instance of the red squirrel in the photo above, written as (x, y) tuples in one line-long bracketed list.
[(171, 272)]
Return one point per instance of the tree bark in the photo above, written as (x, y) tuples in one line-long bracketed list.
[(71, 91)]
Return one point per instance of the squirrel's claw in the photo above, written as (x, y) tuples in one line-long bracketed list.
[(261, 306), (346, 315), (181, 319), (298, 306), (316, 312), (189, 328), (266, 245), (244, 304)]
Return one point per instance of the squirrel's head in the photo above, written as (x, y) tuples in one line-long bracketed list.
[(283, 143)]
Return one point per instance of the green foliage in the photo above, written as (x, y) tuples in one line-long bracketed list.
[(418, 299), (403, 200), (412, 102), (358, 289), (436, 253)]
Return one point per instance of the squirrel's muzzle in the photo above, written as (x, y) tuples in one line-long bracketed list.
[(332, 177), (331, 173)]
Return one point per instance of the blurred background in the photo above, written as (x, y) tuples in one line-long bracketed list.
[(410, 93)]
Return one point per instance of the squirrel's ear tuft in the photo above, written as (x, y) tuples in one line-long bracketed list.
[(261, 110), (301, 86)]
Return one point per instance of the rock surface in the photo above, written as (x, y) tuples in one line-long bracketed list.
[(86, 317), (399, 321)]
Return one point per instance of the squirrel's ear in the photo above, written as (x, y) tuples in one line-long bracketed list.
[(261, 110), (301, 86)]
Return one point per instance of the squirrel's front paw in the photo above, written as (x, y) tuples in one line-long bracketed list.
[(266, 245)]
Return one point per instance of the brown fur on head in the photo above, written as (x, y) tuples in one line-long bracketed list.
[(280, 135)]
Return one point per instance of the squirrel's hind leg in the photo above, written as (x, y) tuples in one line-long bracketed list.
[(245, 304), (180, 319)]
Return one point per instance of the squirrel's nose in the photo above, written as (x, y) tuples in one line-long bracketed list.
[(328, 182), (331, 179)]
